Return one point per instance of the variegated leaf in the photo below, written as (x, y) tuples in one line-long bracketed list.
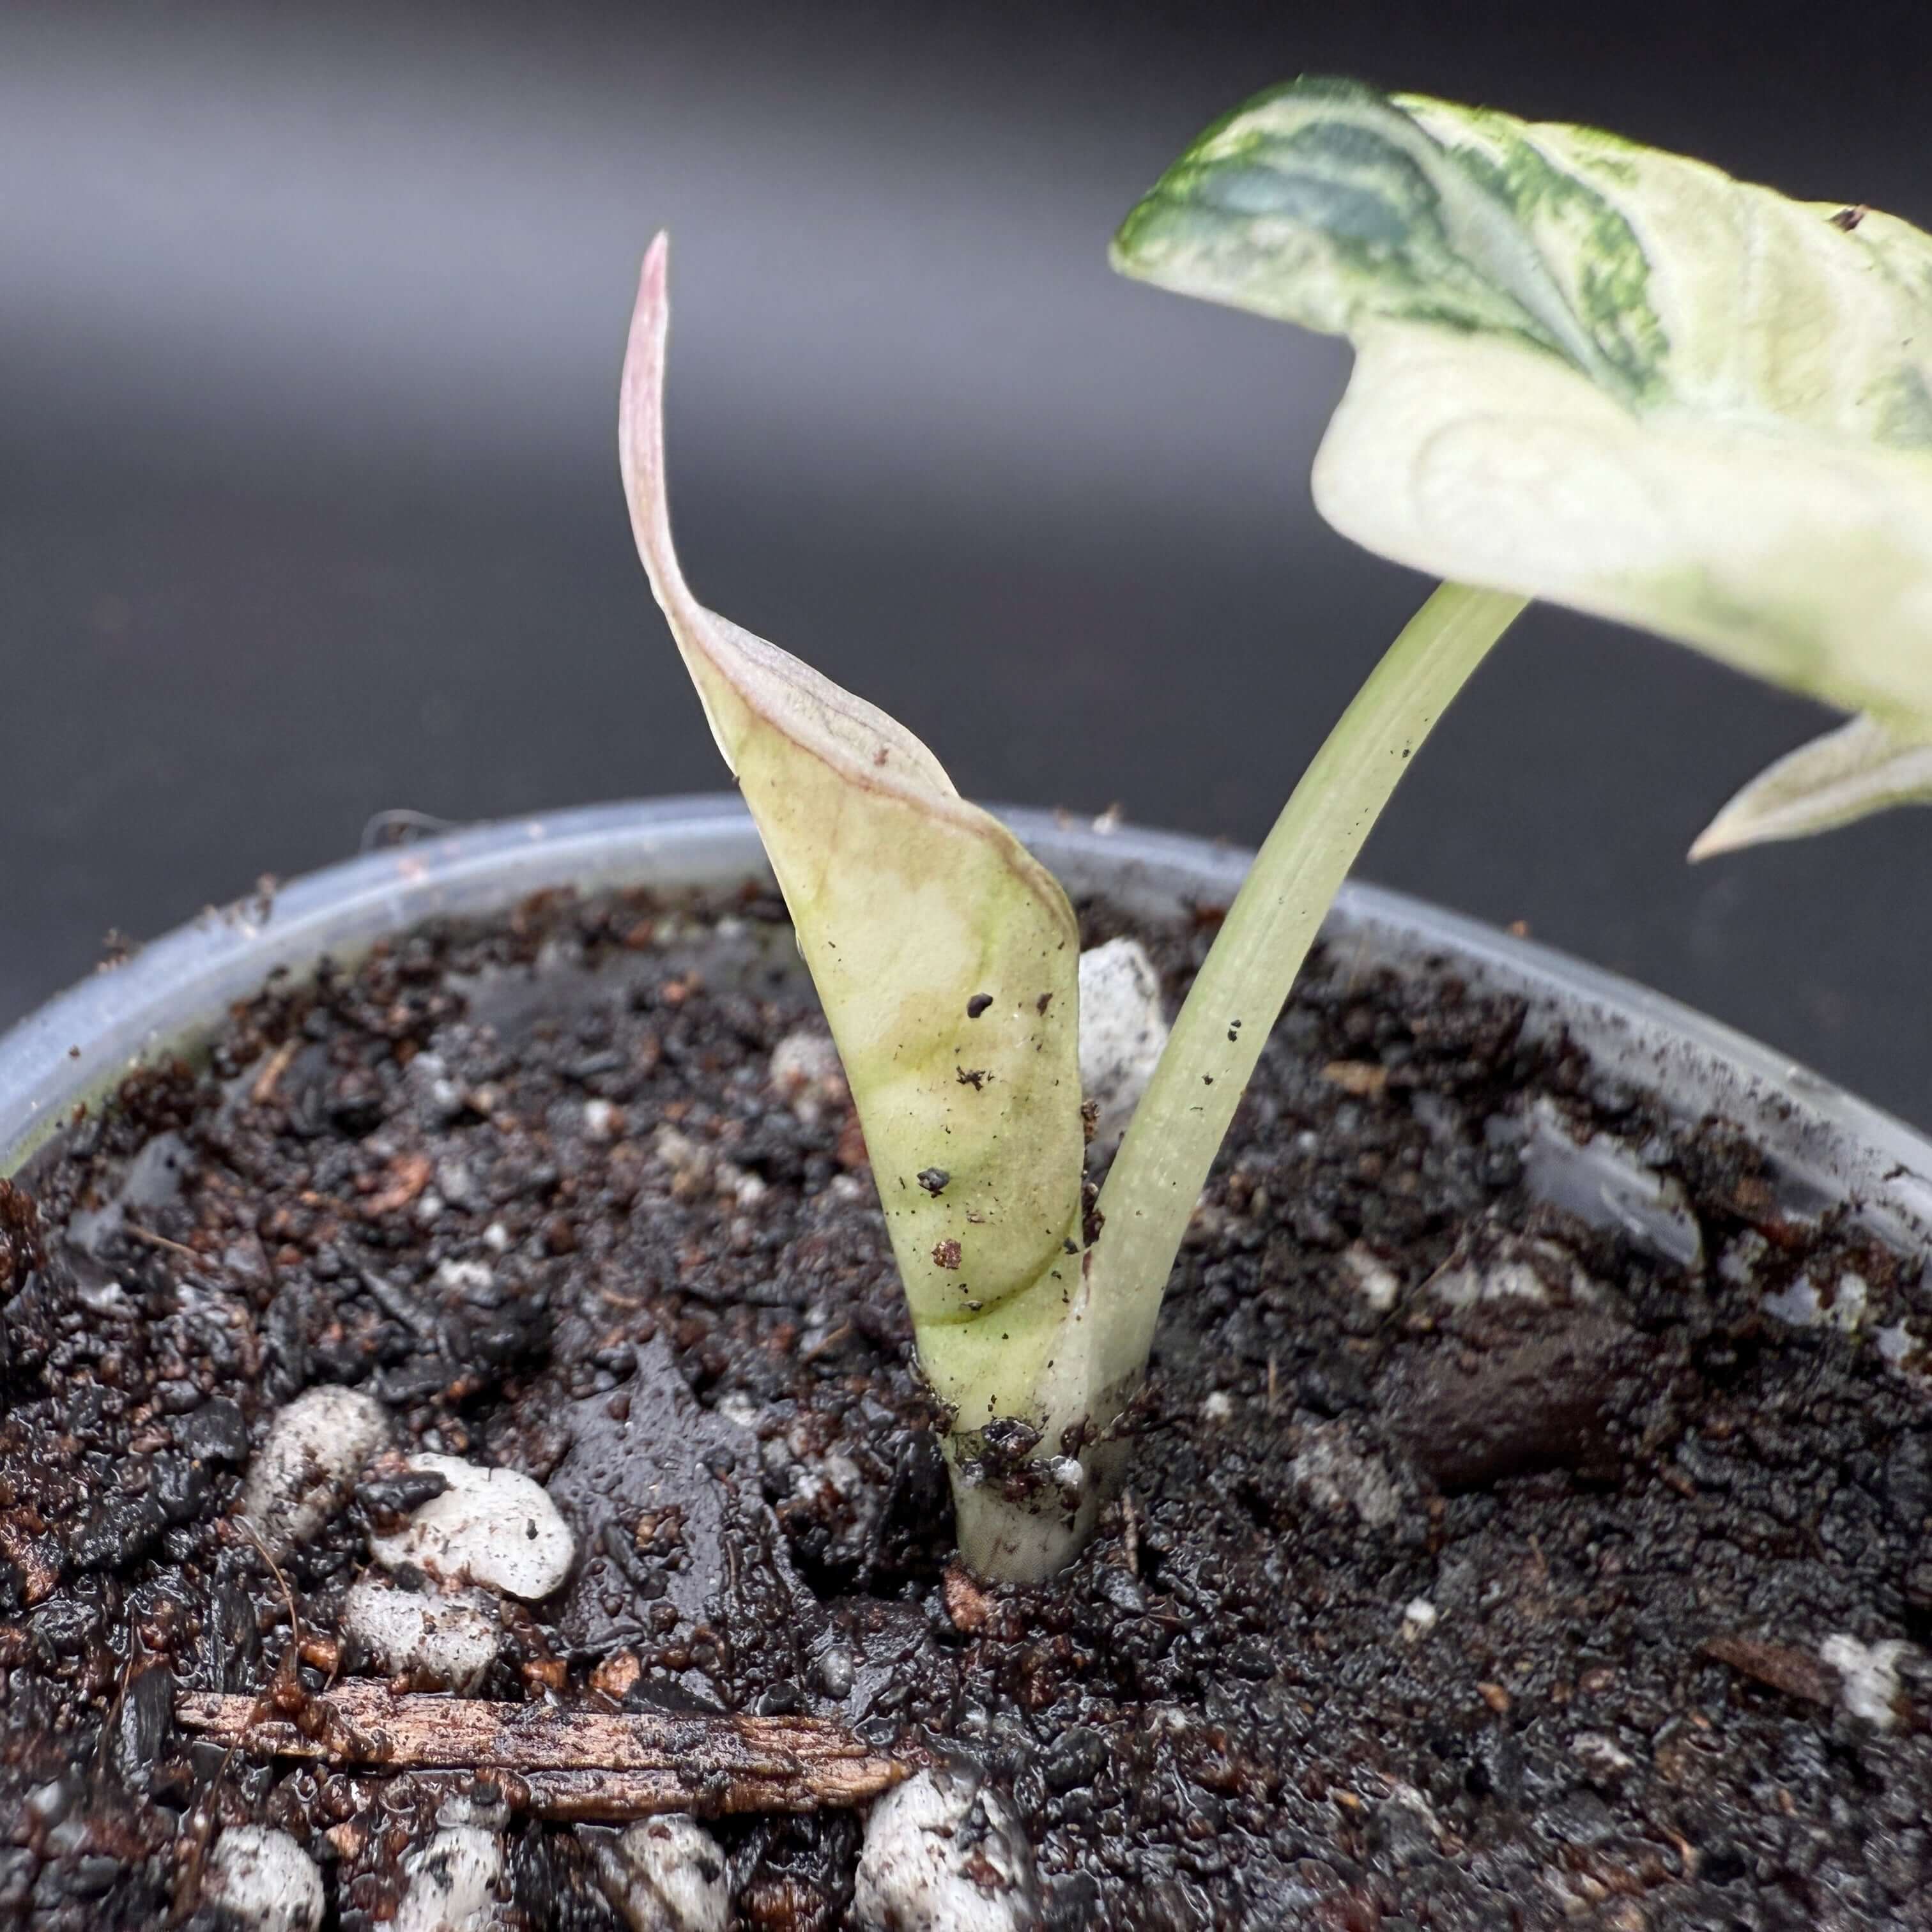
[(1861, 768), (1591, 372), (945, 955)]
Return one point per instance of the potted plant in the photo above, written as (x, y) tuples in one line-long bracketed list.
[(1526, 1519)]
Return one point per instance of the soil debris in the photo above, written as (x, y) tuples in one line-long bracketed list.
[(569, 1763), (1798, 1673)]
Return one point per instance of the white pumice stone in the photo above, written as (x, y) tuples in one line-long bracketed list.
[(1895, 1342), (667, 1874), (943, 1854), (1853, 1293), (455, 1181), (451, 1640), (265, 1879), (1869, 1675), (1413, 1801), (1123, 1028), (1465, 1286), (1219, 1407), (491, 1526), (1372, 1278), (1418, 1619), (1540, 1273), (807, 1074), (453, 1880), (1799, 1304), (1741, 1258), (689, 1160), (835, 1671), (740, 1410), (466, 1278), (1334, 1475), (1796, 1304), (1604, 1760), (303, 1474)]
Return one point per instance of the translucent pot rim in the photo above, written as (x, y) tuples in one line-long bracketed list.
[(171, 996)]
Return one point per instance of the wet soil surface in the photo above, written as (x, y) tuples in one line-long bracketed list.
[(1530, 1525)]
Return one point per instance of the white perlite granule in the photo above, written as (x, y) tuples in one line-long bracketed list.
[(451, 1640), (667, 1874), (303, 1474), (942, 1855), (1333, 1475), (453, 1881), (1869, 1671), (491, 1526), (1122, 1029), (265, 1879)]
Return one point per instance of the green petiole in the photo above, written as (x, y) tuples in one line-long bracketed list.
[(1171, 1144)]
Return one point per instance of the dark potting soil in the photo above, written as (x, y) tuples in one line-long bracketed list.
[(1483, 1564)]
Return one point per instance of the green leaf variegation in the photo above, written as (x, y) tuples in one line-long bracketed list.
[(1594, 372), (945, 955)]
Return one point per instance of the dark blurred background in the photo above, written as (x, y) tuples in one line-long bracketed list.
[(310, 324)]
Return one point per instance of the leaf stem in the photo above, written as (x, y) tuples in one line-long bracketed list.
[(1178, 1128)]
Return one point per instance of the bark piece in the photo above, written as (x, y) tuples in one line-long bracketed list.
[(571, 1763), (1784, 1666)]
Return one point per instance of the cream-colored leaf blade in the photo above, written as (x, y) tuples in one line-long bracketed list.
[(1848, 774), (945, 955), (1593, 372), (741, 677), (1804, 562)]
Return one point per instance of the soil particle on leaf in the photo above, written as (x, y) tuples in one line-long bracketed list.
[(1530, 1520)]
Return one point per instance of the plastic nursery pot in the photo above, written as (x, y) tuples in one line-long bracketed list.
[(1263, 1529), (1826, 1146)]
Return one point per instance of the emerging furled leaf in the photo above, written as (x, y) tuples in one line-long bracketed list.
[(1588, 371), (945, 955), (1861, 768)]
